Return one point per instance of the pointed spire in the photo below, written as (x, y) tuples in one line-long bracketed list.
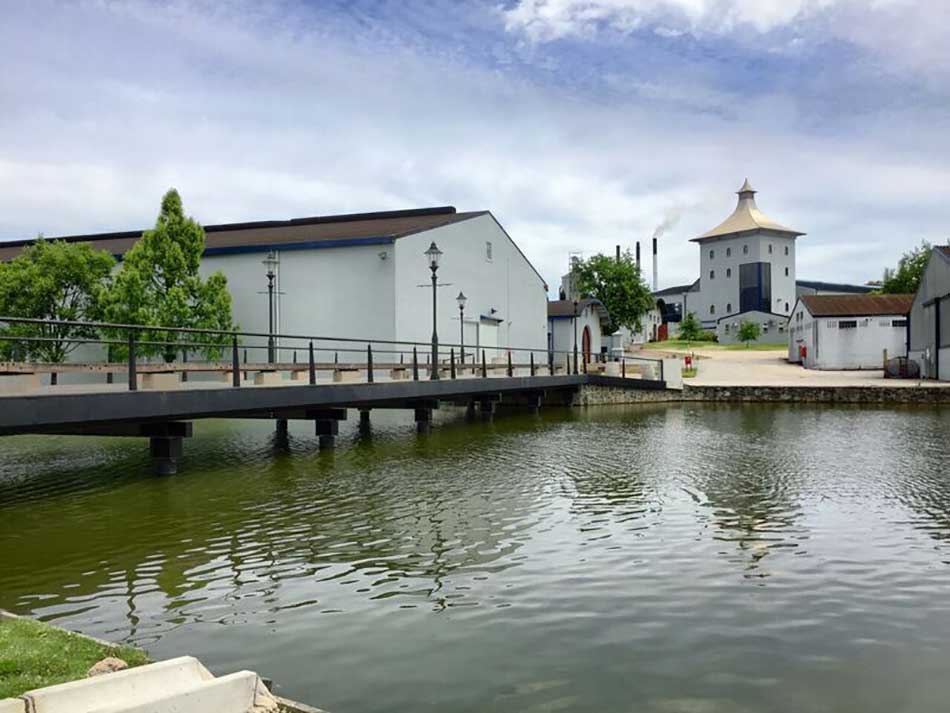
[(747, 191)]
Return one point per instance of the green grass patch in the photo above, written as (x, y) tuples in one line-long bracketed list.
[(689, 373), (34, 655)]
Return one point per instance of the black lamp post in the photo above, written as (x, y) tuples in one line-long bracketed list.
[(432, 255), (575, 336), (461, 299), (270, 262)]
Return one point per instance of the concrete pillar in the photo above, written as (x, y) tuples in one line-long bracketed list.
[(487, 409), (165, 452), (365, 425), (281, 426), (327, 430), (423, 419)]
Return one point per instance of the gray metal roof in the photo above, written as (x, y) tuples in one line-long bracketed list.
[(834, 286)]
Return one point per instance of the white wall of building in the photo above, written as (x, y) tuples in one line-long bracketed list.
[(829, 345), (562, 330), (504, 282)]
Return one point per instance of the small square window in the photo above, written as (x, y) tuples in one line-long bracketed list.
[(848, 324), (728, 272), (786, 306), (786, 249), (712, 309), (729, 307), (488, 250), (712, 254), (786, 272), (712, 274), (745, 249), (728, 252), (770, 248)]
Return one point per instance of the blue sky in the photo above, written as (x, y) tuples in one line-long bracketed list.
[(580, 123)]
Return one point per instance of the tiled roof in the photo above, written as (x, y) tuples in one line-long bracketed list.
[(857, 305)]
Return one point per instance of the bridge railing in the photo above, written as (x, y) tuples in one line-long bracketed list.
[(237, 352)]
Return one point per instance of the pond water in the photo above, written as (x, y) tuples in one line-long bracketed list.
[(692, 558)]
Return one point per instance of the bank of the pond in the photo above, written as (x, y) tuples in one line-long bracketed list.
[(34, 655), (599, 395)]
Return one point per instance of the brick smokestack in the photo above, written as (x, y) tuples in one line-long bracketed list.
[(654, 266)]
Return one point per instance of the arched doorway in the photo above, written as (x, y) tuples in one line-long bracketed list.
[(585, 344)]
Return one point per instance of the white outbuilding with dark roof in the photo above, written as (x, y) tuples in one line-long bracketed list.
[(848, 331), (590, 320)]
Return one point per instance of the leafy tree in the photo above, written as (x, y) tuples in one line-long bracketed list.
[(749, 331), (690, 328), (619, 285), (159, 285), (910, 269), (52, 280)]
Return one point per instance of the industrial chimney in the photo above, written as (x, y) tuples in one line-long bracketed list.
[(654, 266), (638, 255), (618, 253)]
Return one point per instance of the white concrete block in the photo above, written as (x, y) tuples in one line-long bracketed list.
[(612, 368), (158, 380), (268, 378), (12, 705), (240, 692), (19, 383), (673, 373), (399, 374), (340, 375), (130, 687), (298, 376)]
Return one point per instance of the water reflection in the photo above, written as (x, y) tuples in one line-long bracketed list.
[(596, 559)]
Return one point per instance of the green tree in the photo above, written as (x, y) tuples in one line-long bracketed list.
[(52, 280), (910, 269), (749, 331), (690, 328), (619, 285), (159, 285)]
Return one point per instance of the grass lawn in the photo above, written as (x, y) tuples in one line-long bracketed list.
[(680, 344), (34, 655)]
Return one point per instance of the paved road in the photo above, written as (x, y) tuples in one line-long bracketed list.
[(721, 367)]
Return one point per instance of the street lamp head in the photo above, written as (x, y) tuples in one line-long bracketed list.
[(461, 299), (432, 255), (270, 262)]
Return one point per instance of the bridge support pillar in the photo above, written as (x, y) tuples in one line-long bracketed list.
[(327, 431), (486, 408), (165, 452), (470, 411), (364, 421), (423, 419), (281, 426)]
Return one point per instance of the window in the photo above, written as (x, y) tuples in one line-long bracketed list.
[(848, 324), (712, 254), (786, 272), (712, 309), (728, 252), (786, 306), (728, 272), (770, 248), (729, 307), (488, 251), (727, 328), (712, 274), (786, 249), (755, 287), (745, 249), (899, 323)]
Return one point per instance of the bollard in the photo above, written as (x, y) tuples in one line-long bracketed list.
[(235, 365), (415, 365), (452, 362), (369, 363)]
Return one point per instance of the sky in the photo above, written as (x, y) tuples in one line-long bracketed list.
[(581, 124)]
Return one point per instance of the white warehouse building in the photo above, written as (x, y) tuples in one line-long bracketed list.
[(365, 276), (848, 331)]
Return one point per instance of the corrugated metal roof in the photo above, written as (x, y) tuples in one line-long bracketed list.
[(353, 226), (745, 217), (834, 286), (857, 305)]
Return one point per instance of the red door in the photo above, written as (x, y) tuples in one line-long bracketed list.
[(663, 333), (585, 344)]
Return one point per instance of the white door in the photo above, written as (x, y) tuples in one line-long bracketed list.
[(488, 339)]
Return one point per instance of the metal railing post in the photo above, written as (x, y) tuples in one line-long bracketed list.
[(312, 368), (484, 369), (550, 363), (452, 362), (623, 368), (510, 372), (532, 363), (235, 363), (662, 376), (415, 364), (133, 377), (369, 363)]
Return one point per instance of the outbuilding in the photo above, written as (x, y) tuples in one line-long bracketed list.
[(580, 323), (930, 318), (848, 331)]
